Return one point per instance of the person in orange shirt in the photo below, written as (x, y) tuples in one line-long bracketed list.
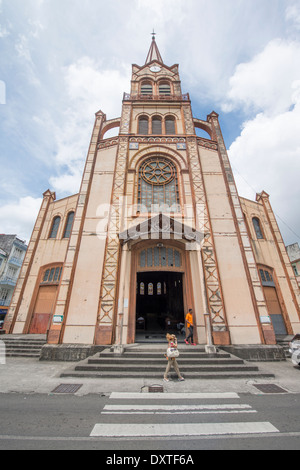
[(190, 327)]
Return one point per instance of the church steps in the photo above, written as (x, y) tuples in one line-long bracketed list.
[(150, 363), (145, 362), (159, 375), (23, 347), (159, 367)]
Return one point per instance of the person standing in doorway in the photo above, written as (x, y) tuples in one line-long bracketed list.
[(190, 328)]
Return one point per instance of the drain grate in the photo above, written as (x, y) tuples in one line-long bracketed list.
[(156, 389), (270, 388), (67, 388)]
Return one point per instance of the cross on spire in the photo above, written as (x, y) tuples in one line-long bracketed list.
[(154, 53)]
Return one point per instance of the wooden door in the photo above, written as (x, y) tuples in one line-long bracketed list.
[(275, 310), (43, 310)]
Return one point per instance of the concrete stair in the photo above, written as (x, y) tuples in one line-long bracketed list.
[(23, 346), (283, 341), (148, 361)]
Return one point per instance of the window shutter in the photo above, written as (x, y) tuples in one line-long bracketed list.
[(170, 126), (146, 89), (143, 126), (165, 89), (156, 126)]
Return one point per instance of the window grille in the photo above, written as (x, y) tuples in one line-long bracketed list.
[(162, 258), (143, 126), (52, 275), (170, 125), (158, 189), (146, 89), (165, 89), (156, 125)]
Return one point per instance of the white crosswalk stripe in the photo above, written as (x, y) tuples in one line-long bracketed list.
[(187, 409), (180, 430), (173, 396), (174, 408)]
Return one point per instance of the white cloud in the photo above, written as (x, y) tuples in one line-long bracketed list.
[(19, 217), (89, 88), (293, 15), (266, 82), (266, 154)]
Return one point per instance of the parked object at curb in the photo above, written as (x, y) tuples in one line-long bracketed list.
[(295, 350)]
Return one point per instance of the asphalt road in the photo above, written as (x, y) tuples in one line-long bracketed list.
[(70, 422)]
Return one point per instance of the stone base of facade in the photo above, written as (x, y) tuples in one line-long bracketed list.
[(257, 353), (68, 352), (76, 353)]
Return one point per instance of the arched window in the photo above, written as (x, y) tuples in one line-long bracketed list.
[(55, 226), (257, 228), (165, 89), (52, 275), (146, 88), (156, 125), (69, 225), (160, 257), (170, 125), (158, 189), (143, 125)]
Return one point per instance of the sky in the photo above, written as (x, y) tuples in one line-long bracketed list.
[(61, 61)]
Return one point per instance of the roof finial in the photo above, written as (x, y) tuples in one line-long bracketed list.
[(154, 53)]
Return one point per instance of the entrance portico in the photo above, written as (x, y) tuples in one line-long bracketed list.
[(159, 279)]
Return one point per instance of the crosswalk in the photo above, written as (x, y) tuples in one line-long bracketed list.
[(180, 415)]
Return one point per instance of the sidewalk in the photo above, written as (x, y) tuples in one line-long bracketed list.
[(30, 376)]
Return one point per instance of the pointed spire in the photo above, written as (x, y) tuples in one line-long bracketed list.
[(154, 53)]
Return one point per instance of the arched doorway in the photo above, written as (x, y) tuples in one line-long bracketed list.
[(272, 300), (44, 304), (160, 290)]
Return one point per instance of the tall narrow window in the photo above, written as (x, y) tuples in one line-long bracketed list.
[(170, 125), (165, 89), (257, 228), (69, 225), (158, 189), (55, 226), (143, 125), (156, 125), (146, 88)]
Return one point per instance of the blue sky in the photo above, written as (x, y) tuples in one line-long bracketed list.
[(63, 60)]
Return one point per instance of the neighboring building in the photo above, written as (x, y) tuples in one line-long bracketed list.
[(294, 255), (12, 253), (157, 228)]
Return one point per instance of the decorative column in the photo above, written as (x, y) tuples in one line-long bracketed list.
[(118, 347), (258, 300), (65, 288), (15, 314), (264, 198), (218, 320), (107, 321)]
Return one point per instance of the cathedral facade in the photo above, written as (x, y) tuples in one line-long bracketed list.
[(157, 228)]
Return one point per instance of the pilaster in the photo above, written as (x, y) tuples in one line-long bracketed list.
[(280, 246), (107, 310), (261, 312), (55, 335), (218, 319), (15, 315)]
